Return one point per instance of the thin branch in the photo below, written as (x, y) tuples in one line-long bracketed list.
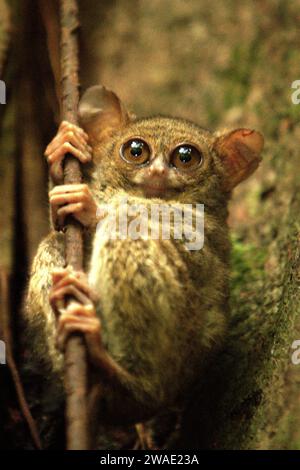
[(5, 326), (76, 374)]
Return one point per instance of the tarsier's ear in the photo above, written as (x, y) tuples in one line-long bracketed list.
[(101, 112), (239, 151)]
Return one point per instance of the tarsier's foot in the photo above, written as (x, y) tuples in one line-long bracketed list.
[(79, 314), (144, 440), (69, 139), (75, 200)]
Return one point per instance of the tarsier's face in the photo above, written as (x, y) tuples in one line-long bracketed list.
[(161, 157), (165, 157)]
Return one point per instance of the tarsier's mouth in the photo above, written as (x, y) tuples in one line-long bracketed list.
[(151, 191), (158, 190)]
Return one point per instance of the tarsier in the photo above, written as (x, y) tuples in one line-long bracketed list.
[(151, 311)]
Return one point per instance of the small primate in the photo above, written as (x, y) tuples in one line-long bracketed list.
[(151, 310)]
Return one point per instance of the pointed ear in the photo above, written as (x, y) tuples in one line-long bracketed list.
[(101, 112), (239, 152)]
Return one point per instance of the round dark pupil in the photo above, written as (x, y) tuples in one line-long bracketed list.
[(185, 154), (136, 148)]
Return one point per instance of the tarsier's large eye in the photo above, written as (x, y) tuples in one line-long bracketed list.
[(186, 157), (135, 151)]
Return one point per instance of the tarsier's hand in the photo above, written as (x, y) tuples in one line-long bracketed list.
[(75, 200), (79, 315), (69, 139)]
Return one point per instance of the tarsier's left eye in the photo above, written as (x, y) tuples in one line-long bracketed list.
[(135, 151), (186, 157)]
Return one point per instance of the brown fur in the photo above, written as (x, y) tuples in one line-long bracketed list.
[(163, 308)]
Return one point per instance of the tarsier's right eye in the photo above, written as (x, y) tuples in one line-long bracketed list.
[(186, 157), (135, 151)]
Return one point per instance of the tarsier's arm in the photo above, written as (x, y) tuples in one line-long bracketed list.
[(76, 200)]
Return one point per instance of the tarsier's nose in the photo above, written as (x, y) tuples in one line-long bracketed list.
[(158, 168)]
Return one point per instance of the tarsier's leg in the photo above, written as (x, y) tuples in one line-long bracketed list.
[(144, 440), (40, 331), (80, 316)]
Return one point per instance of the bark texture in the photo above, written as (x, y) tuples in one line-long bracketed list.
[(76, 373)]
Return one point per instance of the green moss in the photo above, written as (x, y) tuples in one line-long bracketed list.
[(247, 264)]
